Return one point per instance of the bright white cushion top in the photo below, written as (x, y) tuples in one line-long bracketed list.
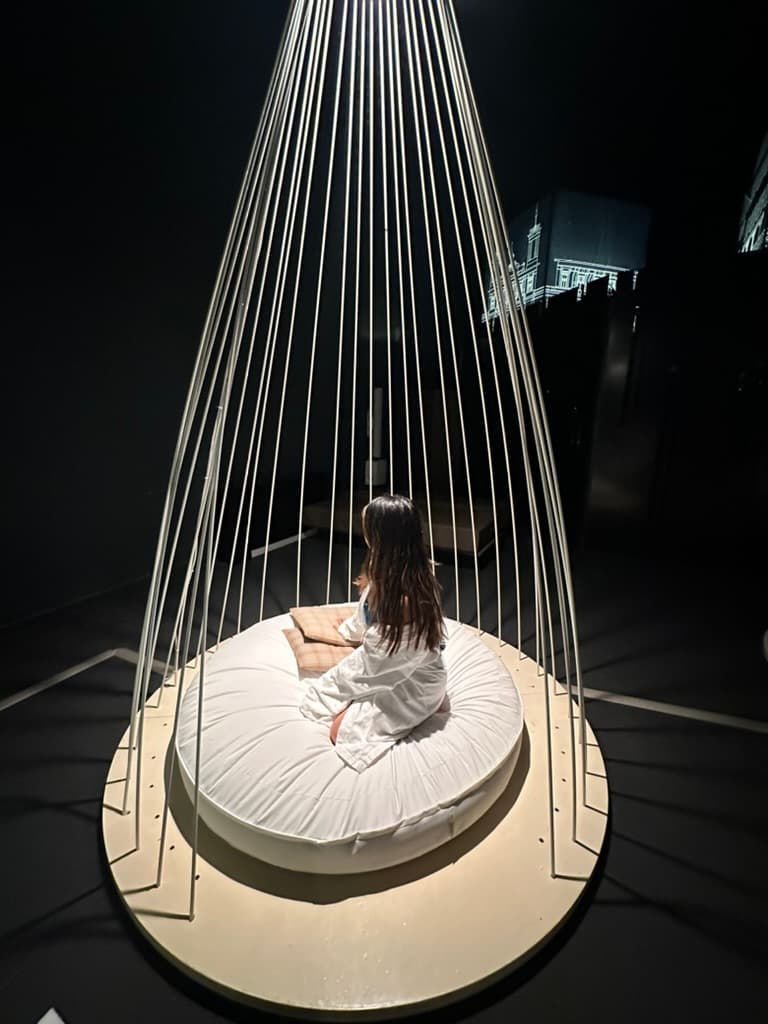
[(269, 770)]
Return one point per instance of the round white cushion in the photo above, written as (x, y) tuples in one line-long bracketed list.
[(272, 785)]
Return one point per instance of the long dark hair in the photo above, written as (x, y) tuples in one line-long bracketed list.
[(403, 589)]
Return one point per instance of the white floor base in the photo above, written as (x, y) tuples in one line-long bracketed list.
[(387, 943)]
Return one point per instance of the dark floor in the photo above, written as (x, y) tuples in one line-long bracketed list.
[(674, 929)]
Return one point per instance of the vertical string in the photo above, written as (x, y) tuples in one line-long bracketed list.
[(356, 318), (323, 239), (398, 235), (161, 581), (499, 268), (409, 252), (209, 556), (205, 505), (385, 191), (246, 372), (158, 589), (317, 86), (371, 125), (436, 315), (446, 289), (468, 300), (265, 380), (545, 451), (342, 306)]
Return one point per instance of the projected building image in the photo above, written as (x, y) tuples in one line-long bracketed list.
[(569, 239), (753, 230)]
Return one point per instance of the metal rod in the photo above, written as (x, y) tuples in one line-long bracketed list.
[(470, 309), (457, 230), (342, 303), (209, 556), (544, 445), (398, 234), (462, 115), (246, 372), (491, 244), (433, 287), (265, 377), (312, 42), (356, 318), (511, 289), (371, 128), (267, 170), (158, 592), (317, 88), (205, 505), (324, 236), (385, 191)]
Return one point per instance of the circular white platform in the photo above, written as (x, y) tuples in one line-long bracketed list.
[(386, 942), (272, 785)]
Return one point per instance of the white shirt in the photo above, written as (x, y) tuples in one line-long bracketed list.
[(387, 695)]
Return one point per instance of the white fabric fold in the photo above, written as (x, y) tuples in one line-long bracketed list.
[(386, 695)]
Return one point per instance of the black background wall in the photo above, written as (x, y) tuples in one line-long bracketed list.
[(127, 127), (130, 126)]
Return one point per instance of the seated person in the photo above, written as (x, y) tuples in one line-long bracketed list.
[(396, 679)]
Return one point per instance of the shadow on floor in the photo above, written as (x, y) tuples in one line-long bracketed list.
[(322, 889)]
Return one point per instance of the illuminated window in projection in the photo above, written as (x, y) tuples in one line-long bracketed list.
[(753, 229), (571, 239), (579, 275)]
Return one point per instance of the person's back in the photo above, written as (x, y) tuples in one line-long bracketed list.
[(396, 678)]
